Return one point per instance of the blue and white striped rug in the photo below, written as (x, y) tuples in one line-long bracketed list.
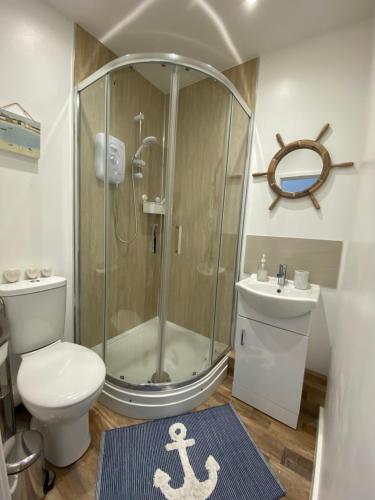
[(206, 454)]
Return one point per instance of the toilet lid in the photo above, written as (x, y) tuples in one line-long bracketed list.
[(62, 374)]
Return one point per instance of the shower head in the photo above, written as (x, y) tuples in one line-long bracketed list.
[(147, 141), (151, 139)]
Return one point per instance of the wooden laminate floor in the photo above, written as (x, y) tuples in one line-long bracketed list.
[(289, 452)]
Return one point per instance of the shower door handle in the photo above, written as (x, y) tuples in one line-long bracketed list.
[(154, 239), (179, 239), (242, 336)]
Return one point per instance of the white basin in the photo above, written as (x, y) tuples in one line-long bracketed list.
[(269, 299)]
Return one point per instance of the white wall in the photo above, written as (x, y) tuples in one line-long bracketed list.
[(348, 462), (300, 89), (36, 197)]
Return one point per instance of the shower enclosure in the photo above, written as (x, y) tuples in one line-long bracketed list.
[(162, 148)]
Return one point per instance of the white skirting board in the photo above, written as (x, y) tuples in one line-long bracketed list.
[(315, 484)]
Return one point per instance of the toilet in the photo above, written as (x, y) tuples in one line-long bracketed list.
[(58, 381)]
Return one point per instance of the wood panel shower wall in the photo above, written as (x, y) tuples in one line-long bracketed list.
[(201, 156), (89, 54), (134, 270), (198, 186)]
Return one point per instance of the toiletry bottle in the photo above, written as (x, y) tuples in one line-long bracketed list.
[(262, 272)]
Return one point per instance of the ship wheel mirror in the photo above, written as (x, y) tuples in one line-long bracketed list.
[(288, 177)]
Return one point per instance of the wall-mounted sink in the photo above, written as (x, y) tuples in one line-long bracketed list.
[(278, 302)]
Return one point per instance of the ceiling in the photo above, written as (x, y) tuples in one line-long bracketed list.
[(220, 32)]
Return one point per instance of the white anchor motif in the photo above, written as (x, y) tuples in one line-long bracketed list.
[(192, 489)]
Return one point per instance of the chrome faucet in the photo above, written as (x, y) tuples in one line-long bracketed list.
[(281, 275)]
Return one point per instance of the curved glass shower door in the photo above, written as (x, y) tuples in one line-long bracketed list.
[(138, 117), (202, 135), (91, 220), (233, 213), (162, 273), (162, 152)]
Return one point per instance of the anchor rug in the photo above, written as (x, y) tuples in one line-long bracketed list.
[(200, 455)]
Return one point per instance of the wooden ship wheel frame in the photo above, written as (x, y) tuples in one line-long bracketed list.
[(314, 145)]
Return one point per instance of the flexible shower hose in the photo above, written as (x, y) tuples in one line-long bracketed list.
[(116, 215)]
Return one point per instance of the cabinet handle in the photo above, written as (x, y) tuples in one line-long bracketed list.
[(242, 335)]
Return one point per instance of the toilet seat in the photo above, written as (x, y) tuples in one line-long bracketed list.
[(60, 375)]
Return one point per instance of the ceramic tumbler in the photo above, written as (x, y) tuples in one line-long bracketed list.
[(301, 279)]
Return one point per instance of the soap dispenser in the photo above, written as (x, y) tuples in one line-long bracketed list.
[(262, 272)]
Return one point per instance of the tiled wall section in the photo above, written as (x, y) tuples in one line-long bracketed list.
[(320, 257)]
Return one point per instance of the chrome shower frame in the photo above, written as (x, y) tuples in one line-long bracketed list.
[(176, 61)]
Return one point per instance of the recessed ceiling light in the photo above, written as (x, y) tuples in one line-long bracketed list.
[(251, 2)]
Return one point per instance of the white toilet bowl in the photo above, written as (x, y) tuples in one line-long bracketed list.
[(58, 381), (58, 384)]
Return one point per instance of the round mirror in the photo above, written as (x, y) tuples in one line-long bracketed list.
[(299, 168), (298, 171), (311, 183)]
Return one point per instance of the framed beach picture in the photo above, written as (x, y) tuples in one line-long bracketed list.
[(19, 134)]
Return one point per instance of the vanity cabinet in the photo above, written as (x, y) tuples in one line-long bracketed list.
[(270, 365)]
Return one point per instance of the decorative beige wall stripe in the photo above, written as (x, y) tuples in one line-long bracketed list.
[(320, 257)]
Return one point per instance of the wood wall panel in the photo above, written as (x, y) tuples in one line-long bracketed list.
[(133, 281), (134, 269), (244, 77), (199, 181), (89, 54)]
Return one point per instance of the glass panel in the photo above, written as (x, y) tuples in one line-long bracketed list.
[(203, 109), (298, 170), (298, 183), (137, 123), (230, 228), (206, 193), (91, 218)]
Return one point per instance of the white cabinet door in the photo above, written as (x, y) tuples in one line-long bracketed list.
[(269, 368)]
